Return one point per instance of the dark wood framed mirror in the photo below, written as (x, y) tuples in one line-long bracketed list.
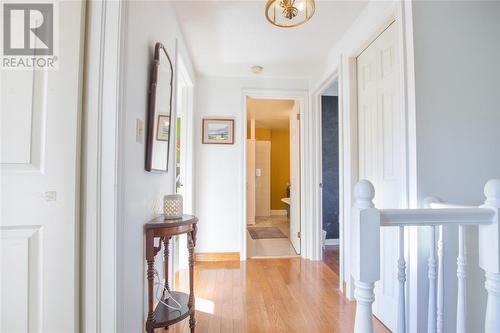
[(160, 111)]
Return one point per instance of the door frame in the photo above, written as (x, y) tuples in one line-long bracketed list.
[(302, 97), (185, 107), (345, 70), (318, 137), (100, 166)]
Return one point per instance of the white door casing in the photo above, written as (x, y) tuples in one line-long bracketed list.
[(295, 177), (40, 122), (381, 153), (262, 178)]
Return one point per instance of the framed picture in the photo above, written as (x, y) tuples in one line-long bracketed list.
[(218, 131), (163, 127)]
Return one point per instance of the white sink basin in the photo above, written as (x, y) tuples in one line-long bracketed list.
[(287, 201)]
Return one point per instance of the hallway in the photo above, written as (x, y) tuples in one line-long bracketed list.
[(272, 295)]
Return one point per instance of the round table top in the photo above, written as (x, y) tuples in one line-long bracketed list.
[(162, 222)]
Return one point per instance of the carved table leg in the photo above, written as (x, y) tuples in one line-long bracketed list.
[(191, 305), (151, 275), (166, 253)]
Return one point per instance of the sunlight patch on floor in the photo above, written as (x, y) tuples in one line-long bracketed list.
[(204, 305)]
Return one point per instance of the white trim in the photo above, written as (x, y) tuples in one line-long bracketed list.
[(278, 212), (184, 105), (100, 167), (305, 199), (332, 241)]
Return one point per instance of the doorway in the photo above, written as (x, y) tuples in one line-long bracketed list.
[(272, 178), (330, 167), (183, 158)]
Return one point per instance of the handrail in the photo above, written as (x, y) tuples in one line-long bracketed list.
[(441, 205), (434, 217)]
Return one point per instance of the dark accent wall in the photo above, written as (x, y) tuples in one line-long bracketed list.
[(330, 149)]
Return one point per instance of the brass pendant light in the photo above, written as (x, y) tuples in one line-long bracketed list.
[(289, 13)]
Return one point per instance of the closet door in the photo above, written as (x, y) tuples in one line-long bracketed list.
[(40, 160), (381, 140)]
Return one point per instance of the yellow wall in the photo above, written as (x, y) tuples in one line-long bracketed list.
[(263, 134), (280, 166)]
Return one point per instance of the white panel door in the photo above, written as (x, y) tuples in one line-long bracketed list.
[(263, 178), (40, 115), (381, 154), (295, 178)]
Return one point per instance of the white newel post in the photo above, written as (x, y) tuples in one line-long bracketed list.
[(365, 254), (489, 256)]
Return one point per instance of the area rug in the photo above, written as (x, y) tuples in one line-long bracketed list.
[(265, 233)]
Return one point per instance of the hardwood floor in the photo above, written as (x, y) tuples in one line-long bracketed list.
[(268, 295), (331, 257)]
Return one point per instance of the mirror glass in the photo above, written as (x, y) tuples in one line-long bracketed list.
[(160, 111)]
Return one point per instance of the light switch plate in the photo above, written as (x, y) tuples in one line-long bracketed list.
[(50, 196), (258, 172), (139, 129)]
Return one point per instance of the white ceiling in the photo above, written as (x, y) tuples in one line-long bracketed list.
[(270, 113), (226, 38)]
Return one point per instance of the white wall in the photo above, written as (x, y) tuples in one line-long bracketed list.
[(145, 24), (218, 168), (457, 70)]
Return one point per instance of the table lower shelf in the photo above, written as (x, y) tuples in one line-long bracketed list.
[(165, 316)]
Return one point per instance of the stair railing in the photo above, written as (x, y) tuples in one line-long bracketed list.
[(365, 254)]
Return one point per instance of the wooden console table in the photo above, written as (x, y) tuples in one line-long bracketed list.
[(162, 316)]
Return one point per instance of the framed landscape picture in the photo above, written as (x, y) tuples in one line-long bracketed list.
[(218, 131)]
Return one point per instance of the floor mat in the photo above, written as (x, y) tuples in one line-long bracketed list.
[(265, 233)]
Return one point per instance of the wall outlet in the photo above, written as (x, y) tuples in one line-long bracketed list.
[(139, 129)]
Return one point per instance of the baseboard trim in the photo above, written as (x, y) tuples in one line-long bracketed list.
[(278, 212), (216, 256), (332, 241)]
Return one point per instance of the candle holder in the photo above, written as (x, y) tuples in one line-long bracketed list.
[(172, 206)]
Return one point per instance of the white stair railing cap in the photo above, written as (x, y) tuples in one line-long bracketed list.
[(364, 192), (492, 192)]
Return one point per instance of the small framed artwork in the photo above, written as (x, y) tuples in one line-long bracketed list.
[(163, 127), (218, 131)]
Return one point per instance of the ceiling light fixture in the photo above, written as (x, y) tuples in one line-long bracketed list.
[(256, 69), (289, 13)]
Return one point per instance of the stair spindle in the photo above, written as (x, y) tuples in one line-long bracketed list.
[(402, 280), (440, 283), (431, 312), (462, 281)]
